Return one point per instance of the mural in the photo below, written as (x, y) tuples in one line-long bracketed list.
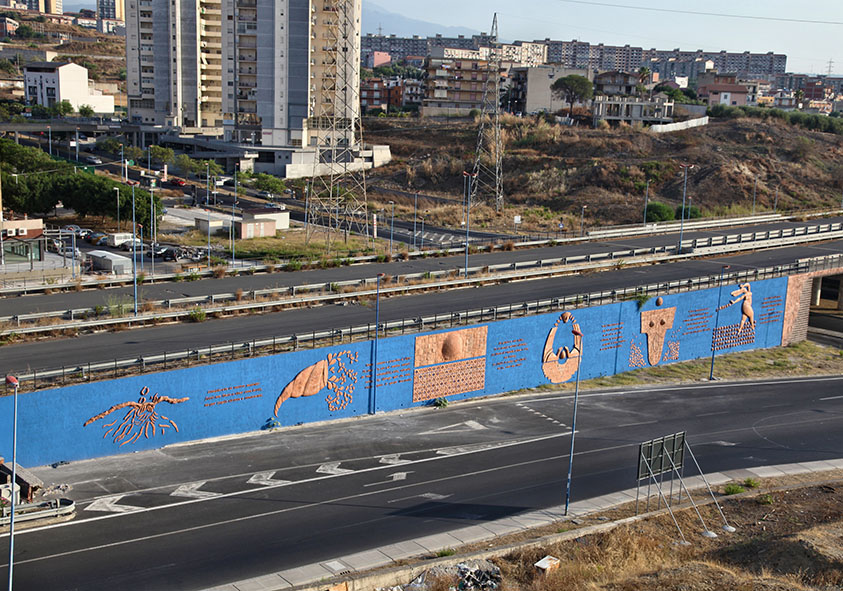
[(551, 368), (141, 419), (331, 373), (313, 385)]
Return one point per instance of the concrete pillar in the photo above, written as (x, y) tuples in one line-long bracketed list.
[(840, 293), (816, 284)]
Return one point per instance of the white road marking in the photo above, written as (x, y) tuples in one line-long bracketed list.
[(456, 428), (431, 496), (831, 398), (332, 468), (109, 504), (391, 478), (636, 424), (266, 479), (393, 460), (711, 414), (192, 490)]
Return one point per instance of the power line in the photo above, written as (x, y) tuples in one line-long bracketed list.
[(697, 13)]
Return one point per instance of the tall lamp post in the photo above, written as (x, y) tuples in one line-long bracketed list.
[(576, 332), (468, 176), (233, 203), (582, 220), (50, 140), (13, 381), (684, 193), (391, 227), (716, 322), (373, 403), (134, 253), (117, 190), (151, 232), (421, 236), (646, 201), (754, 192), (123, 174), (415, 217)]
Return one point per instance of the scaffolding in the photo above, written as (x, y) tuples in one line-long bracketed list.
[(488, 156), (336, 200)]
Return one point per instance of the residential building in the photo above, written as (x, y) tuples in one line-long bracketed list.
[(673, 69), (378, 58), (455, 85), (734, 95), (13, 4), (53, 7), (581, 54), (35, 5), (8, 26), (785, 100), (615, 83), (529, 90), (110, 9), (111, 26), (413, 92), (49, 83), (84, 22), (632, 110), (265, 76), (523, 53), (373, 94), (25, 55)]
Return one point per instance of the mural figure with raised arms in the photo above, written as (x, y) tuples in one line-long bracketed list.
[(141, 419), (744, 295), (331, 373), (553, 370)]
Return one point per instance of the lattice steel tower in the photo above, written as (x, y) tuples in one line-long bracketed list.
[(337, 195), (488, 184)]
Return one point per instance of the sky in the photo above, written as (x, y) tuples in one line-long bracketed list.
[(809, 46)]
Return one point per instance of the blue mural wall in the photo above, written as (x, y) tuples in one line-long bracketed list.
[(153, 410)]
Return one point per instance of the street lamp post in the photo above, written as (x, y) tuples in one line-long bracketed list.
[(233, 203), (50, 140), (469, 177), (646, 201), (582, 220), (576, 332), (716, 322), (391, 227), (415, 216), (77, 144), (134, 254), (13, 381), (207, 182), (421, 236), (776, 202), (209, 236), (754, 192), (117, 190), (684, 193), (373, 403), (123, 174)]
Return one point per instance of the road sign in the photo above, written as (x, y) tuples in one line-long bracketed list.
[(655, 456)]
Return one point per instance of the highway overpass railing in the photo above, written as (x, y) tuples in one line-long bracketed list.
[(90, 371)]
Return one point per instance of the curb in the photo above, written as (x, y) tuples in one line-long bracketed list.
[(340, 573)]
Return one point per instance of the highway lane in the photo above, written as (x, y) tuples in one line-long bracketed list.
[(467, 464), (55, 353), (161, 291)]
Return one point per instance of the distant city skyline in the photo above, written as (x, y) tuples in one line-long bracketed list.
[(809, 47)]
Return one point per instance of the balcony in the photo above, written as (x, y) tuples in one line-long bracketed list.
[(247, 84)]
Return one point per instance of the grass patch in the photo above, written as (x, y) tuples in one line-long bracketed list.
[(733, 489)]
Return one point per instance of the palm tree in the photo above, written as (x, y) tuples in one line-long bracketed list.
[(643, 76)]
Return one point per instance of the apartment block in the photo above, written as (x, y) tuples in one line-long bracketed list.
[(456, 81), (49, 83), (110, 9), (581, 54), (530, 88)]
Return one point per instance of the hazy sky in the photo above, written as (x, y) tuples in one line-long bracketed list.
[(808, 46)]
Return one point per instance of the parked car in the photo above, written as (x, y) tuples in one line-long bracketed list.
[(91, 159), (72, 228), (70, 252), (274, 206), (93, 237), (130, 182), (266, 194), (171, 254), (128, 244), (84, 232), (101, 241), (177, 182)]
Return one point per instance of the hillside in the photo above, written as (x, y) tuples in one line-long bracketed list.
[(551, 170)]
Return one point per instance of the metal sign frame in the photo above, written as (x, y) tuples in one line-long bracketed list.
[(655, 455)]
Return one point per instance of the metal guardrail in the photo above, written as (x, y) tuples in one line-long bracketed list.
[(710, 245), (111, 369), (43, 510)]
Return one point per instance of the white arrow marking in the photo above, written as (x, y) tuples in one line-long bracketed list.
[(456, 428), (431, 496), (391, 478), (332, 468), (393, 460), (110, 504), (266, 479), (192, 490)]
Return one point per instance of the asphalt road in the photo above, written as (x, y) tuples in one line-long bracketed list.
[(89, 299), (55, 353), (467, 464)]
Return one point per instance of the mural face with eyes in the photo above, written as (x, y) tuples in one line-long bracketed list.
[(655, 324)]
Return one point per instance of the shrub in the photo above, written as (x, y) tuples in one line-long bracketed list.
[(765, 499), (658, 212), (733, 489), (751, 483), (197, 314), (447, 551), (441, 402), (474, 113), (219, 272), (689, 212)]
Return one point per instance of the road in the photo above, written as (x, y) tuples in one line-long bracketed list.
[(90, 299), (55, 353), (467, 464)]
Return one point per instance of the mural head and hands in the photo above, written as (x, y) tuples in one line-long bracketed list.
[(553, 370)]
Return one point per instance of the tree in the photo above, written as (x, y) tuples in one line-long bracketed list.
[(690, 211), (644, 74), (658, 212), (185, 164), (162, 155), (267, 182), (108, 144), (132, 153), (86, 111), (573, 88), (62, 109)]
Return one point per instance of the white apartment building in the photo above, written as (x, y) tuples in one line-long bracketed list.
[(48, 83), (252, 72), (110, 9)]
